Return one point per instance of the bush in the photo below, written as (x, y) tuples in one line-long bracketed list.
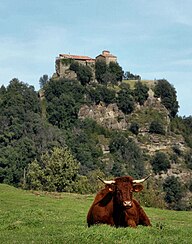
[(168, 96), (74, 66), (173, 192), (125, 101), (55, 171), (100, 70), (140, 92), (134, 128), (84, 73), (188, 159), (177, 150), (156, 127), (116, 70), (101, 93), (127, 156), (90, 183), (160, 162)]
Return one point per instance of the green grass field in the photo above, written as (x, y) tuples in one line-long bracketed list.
[(33, 217)]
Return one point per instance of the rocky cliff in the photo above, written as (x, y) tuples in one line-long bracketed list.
[(113, 118)]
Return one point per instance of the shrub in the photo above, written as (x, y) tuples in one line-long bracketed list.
[(160, 162), (101, 94), (90, 183), (55, 171), (140, 92), (173, 192), (168, 96), (127, 156), (125, 101), (100, 70), (177, 150), (116, 70), (134, 128), (84, 73), (188, 159), (156, 127)]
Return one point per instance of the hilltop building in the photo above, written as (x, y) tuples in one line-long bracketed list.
[(107, 57), (63, 62)]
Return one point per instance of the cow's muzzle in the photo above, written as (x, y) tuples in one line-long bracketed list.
[(127, 204)]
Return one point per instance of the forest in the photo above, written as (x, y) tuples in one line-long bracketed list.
[(45, 146)]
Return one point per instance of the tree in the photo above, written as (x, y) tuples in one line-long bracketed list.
[(160, 162), (116, 70), (35, 176), (74, 66), (101, 93), (156, 127), (174, 192), (100, 70), (64, 98), (72, 88), (43, 80), (167, 93), (17, 147), (108, 78), (62, 111), (55, 171), (140, 92), (125, 100), (85, 146), (18, 99), (128, 158), (129, 76), (84, 73)]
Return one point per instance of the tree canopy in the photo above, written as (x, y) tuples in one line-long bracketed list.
[(167, 93), (45, 145), (55, 171)]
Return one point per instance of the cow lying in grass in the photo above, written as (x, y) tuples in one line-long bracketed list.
[(114, 205)]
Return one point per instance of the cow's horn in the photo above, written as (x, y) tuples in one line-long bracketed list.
[(142, 180), (106, 181)]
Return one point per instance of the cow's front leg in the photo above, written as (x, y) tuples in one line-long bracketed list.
[(131, 223)]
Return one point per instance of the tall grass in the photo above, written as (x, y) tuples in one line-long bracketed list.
[(35, 217)]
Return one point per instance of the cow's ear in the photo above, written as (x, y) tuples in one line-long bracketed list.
[(111, 187), (137, 187)]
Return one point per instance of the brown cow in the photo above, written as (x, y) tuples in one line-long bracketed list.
[(114, 205), (101, 211)]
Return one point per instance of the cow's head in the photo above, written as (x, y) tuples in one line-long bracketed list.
[(123, 188)]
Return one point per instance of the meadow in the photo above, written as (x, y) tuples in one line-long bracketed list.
[(40, 217)]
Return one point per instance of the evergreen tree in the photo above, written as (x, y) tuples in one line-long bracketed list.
[(167, 93), (174, 192), (100, 70), (140, 92), (43, 80), (160, 162), (125, 100)]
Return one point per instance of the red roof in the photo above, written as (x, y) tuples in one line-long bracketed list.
[(76, 57)]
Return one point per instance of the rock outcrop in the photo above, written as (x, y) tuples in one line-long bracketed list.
[(108, 116)]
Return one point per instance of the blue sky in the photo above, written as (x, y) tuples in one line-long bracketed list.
[(150, 38)]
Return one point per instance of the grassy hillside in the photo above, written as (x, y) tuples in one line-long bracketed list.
[(34, 217), (149, 83)]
